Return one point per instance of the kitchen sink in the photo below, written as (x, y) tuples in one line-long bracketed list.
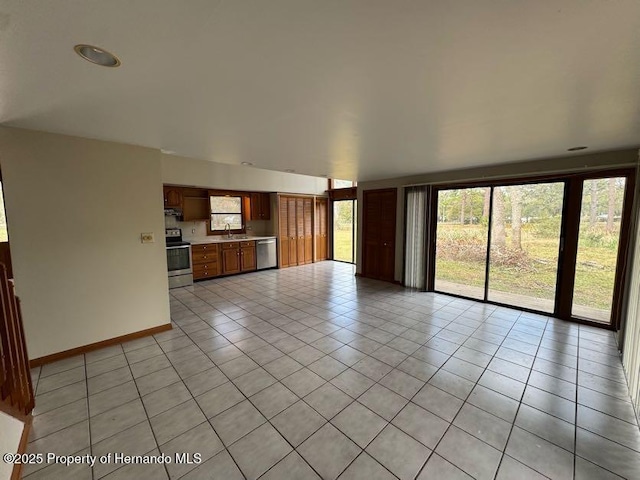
[(239, 237)]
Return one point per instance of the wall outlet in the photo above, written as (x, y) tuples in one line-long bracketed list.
[(193, 230), (147, 237)]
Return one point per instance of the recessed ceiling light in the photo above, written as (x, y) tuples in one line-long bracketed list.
[(575, 149), (97, 55), (248, 164), (168, 152), (289, 170)]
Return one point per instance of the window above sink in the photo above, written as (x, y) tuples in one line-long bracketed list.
[(227, 214)]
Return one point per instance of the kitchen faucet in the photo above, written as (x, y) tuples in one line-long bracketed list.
[(228, 227)]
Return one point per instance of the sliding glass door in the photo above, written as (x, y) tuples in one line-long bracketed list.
[(461, 241), (598, 248), (525, 243), (550, 246)]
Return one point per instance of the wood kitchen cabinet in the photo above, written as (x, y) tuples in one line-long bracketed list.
[(238, 257), (321, 219), (172, 197), (206, 261), (248, 259), (260, 206), (379, 212), (230, 258), (296, 230), (195, 205)]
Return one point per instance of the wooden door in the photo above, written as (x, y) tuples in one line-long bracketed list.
[(300, 230), (379, 215), (172, 197), (308, 230), (248, 257), (283, 222), (255, 206), (230, 259), (293, 236), (320, 233), (265, 206)]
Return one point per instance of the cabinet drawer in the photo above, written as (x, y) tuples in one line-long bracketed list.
[(209, 247), (251, 243), (206, 270), (230, 245), (204, 257)]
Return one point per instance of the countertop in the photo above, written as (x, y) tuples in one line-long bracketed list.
[(224, 239)]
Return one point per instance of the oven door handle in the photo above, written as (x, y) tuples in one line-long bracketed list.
[(181, 246)]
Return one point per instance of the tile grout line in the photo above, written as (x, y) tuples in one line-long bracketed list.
[(267, 421), (515, 418), (575, 419), (86, 380), (465, 401)]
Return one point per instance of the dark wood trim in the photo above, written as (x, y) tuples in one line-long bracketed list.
[(431, 251), (487, 260), (36, 362), (528, 179), (404, 235), (16, 474), (344, 194), (569, 244), (624, 251)]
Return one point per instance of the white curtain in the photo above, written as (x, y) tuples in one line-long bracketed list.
[(416, 228)]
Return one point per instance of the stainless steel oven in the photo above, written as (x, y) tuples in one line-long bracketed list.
[(178, 259)]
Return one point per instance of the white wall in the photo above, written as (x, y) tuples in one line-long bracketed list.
[(178, 170), (75, 209), (9, 441), (619, 158)]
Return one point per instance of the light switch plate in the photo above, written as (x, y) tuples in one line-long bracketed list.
[(147, 237)]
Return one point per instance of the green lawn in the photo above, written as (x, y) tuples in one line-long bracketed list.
[(342, 245), (536, 275)]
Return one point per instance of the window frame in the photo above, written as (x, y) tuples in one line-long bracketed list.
[(210, 230)]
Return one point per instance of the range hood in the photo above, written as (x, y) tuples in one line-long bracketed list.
[(172, 212)]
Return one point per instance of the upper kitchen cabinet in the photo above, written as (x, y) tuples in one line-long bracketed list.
[(195, 205), (260, 206), (172, 197)]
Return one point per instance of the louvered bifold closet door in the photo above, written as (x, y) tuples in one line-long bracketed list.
[(308, 230), (293, 236), (283, 225)]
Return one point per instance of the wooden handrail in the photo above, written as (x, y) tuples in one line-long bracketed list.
[(16, 389)]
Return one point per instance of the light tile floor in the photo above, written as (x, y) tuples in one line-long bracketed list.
[(309, 372)]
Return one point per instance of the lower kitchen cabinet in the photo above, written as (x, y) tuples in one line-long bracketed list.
[(206, 261), (230, 258), (248, 259), (238, 257), (212, 260)]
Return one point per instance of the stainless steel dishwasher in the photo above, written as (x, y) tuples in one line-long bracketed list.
[(266, 253)]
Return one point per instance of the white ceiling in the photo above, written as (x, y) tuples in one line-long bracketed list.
[(357, 89)]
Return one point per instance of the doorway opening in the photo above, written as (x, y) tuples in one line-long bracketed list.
[(344, 230)]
